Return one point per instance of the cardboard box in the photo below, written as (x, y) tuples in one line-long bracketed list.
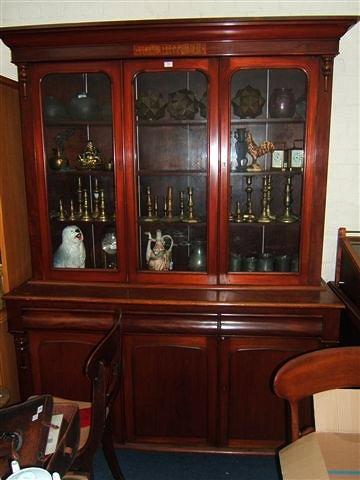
[(333, 450)]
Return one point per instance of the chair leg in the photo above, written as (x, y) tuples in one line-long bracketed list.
[(110, 456)]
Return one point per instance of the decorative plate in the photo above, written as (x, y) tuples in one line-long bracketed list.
[(150, 106), (248, 102), (182, 105), (203, 105)]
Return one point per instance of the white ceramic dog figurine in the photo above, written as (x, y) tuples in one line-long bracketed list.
[(71, 253)]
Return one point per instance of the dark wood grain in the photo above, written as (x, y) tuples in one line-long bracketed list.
[(247, 368), (57, 358), (174, 378), (175, 342), (200, 348), (217, 48), (228, 36)]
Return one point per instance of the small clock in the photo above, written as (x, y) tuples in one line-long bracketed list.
[(279, 159), (296, 159), (296, 156)]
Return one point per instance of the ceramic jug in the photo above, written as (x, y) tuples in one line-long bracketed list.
[(54, 109), (159, 257), (282, 103), (83, 107), (58, 161)]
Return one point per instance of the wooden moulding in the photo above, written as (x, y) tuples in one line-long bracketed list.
[(317, 35)]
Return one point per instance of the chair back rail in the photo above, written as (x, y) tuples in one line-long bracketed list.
[(316, 372), (103, 369)]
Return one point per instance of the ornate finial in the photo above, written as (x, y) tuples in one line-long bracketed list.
[(22, 348), (327, 70), (23, 78)]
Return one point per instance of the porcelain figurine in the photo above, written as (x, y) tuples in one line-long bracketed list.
[(256, 151), (159, 257), (71, 253)]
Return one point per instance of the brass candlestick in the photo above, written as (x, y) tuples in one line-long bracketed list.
[(169, 201), (165, 206), (238, 218), (264, 217), (190, 217), (86, 215), (149, 209), (156, 206), (96, 194), (181, 205), (269, 198), (72, 210), (248, 216), (231, 216), (102, 217), (79, 196), (287, 216), (61, 216)]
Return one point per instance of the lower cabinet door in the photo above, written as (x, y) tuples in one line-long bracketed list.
[(251, 415), (170, 384), (58, 361)]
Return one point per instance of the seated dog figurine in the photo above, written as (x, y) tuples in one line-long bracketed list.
[(71, 253)]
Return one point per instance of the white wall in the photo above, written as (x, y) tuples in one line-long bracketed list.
[(343, 198)]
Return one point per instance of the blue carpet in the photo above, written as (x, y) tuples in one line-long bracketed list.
[(138, 465)]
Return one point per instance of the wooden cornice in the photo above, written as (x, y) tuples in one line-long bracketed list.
[(213, 37)]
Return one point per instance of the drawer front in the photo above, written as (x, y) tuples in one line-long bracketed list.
[(279, 324), (168, 323), (67, 319)]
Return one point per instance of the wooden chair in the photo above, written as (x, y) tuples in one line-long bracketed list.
[(103, 371), (316, 372)]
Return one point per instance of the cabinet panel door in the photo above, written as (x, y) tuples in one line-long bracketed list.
[(79, 204), (269, 110), (171, 169), (251, 414), (170, 388), (58, 360)]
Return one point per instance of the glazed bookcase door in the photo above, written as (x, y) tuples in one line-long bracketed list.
[(267, 155), (82, 223), (172, 169)]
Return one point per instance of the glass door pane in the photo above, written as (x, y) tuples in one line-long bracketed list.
[(78, 143), (171, 143), (267, 143)]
